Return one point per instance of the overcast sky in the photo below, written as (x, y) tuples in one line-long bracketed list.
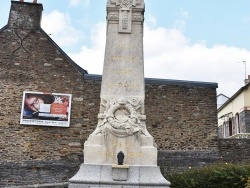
[(194, 40)]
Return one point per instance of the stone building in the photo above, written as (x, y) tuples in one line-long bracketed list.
[(31, 61), (181, 115)]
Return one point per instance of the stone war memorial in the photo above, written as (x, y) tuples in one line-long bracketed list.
[(121, 152)]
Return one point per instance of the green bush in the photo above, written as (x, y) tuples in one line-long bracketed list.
[(216, 176)]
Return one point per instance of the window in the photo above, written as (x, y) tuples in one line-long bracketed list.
[(237, 123), (230, 126), (224, 129)]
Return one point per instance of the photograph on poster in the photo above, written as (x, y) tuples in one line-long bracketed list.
[(48, 109)]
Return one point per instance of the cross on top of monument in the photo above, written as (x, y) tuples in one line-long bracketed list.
[(125, 13)]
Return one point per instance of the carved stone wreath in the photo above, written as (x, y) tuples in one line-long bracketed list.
[(121, 119)]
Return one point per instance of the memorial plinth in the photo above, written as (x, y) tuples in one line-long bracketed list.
[(121, 120)]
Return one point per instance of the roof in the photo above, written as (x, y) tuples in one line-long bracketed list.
[(163, 81), (222, 95), (4, 27), (234, 96)]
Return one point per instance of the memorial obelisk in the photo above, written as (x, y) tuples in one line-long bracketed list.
[(121, 124)]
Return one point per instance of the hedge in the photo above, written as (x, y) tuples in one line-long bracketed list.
[(216, 176)]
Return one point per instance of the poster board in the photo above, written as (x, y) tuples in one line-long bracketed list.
[(47, 109)]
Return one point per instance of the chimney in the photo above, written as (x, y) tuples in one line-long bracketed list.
[(24, 15), (247, 80)]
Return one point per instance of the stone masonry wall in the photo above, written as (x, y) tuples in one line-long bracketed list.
[(168, 115), (245, 121), (30, 61), (44, 68), (235, 150), (176, 122), (182, 117)]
